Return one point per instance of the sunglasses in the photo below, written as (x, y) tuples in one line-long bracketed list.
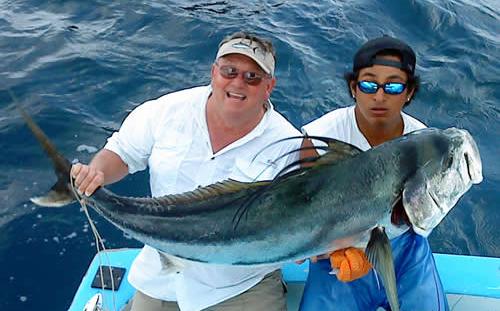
[(391, 88), (250, 77)]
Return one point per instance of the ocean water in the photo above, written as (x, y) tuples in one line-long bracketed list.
[(80, 66)]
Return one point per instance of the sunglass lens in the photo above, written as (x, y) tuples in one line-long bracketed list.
[(394, 88), (252, 78), (228, 72), (368, 87)]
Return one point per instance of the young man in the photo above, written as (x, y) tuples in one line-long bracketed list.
[(381, 83), (193, 138)]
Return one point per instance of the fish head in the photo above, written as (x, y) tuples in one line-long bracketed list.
[(437, 187)]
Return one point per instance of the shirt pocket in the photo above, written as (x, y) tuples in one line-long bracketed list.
[(164, 164)]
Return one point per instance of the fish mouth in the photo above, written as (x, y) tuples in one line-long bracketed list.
[(472, 173), (435, 200), (420, 230), (469, 168), (470, 154)]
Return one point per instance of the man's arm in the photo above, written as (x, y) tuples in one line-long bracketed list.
[(105, 168), (310, 152)]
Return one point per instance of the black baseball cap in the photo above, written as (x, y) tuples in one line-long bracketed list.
[(366, 55)]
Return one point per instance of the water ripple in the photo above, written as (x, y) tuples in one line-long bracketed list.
[(79, 67)]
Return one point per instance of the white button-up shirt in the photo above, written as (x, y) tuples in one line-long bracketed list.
[(170, 135)]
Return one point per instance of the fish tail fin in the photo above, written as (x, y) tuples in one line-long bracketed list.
[(60, 194), (379, 254)]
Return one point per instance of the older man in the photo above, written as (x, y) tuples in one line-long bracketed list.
[(193, 138)]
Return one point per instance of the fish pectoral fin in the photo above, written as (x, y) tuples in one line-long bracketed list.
[(59, 195), (171, 264), (379, 254)]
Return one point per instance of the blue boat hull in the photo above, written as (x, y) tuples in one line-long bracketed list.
[(461, 275)]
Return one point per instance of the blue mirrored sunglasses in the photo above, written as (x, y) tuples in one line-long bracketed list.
[(391, 88)]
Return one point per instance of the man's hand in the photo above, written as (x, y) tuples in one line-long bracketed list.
[(351, 264), (87, 178), (313, 259), (105, 168)]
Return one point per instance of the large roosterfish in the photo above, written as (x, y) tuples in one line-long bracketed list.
[(344, 198)]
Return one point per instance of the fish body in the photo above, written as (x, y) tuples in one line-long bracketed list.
[(309, 211), (336, 203)]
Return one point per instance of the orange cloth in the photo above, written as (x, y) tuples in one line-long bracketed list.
[(351, 262)]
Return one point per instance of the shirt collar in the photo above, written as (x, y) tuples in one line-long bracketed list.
[(201, 118)]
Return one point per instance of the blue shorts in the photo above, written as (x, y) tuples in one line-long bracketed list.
[(418, 283)]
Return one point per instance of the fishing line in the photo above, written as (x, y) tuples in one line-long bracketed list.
[(273, 163), (295, 165), (99, 243)]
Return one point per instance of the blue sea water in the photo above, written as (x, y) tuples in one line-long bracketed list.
[(80, 66)]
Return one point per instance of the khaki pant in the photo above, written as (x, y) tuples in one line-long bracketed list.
[(269, 294)]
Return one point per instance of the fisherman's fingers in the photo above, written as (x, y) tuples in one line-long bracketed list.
[(79, 172), (336, 258), (87, 178), (358, 261), (345, 273), (75, 169), (95, 183), (351, 264)]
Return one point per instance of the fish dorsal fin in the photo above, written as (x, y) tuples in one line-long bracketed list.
[(211, 191), (336, 150)]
